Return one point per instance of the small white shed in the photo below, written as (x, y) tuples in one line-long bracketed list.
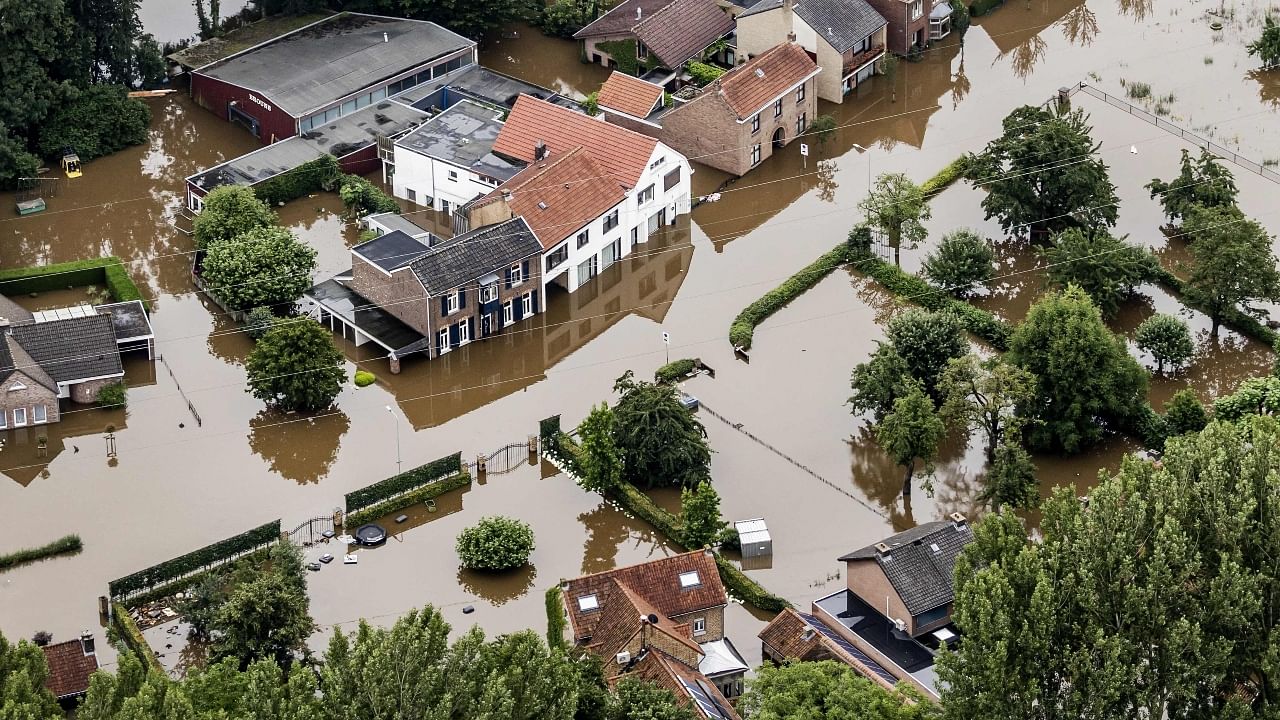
[(754, 537)]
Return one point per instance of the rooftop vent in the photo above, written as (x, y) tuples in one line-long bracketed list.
[(759, 73), (957, 518), (542, 205), (385, 38), (808, 634), (653, 619), (539, 150), (882, 548)]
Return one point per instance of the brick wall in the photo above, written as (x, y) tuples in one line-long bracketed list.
[(901, 28), (34, 394), (401, 294), (86, 393), (867, 581), (715, 623), (532, 283)]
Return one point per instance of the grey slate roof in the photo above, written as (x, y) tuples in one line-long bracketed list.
[(13, 312), (475, 254), (842, 23), (321, 63), (920, 562), (463, 136), (392, 251), (13, 357), (72, 349)]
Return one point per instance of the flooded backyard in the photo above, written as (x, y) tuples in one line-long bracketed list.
[(818, 477)]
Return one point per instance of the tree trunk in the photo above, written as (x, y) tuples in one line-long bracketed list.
[(1217, 320), (906, 482)]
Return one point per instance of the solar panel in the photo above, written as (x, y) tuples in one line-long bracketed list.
[(709, 706), (848, 647)]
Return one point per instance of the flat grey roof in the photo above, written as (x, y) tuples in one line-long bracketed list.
[(312, 67), (395, 221), (128, 319), (339, 138), (392, 250), (383, 327), (479, 83), (463, 135)]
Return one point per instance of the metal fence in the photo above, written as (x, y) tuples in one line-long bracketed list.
[(190, 406), (503, 460), (312, 531)]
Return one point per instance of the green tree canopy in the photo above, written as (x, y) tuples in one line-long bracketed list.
[(295, 366), (828, 690), (15, 161), (229, 211), (563, 18), (1011, 478), (986, 394), (1105, 267), (912, 430), (640, 700), (1267, 46), (898, 208), (927, 340), (94, 121), (473, 18), (879, 381), (266, 617), (495, 543), (1255, 396), (962, 261), (1183, 413), (601, 458), (1167, 339), (1043, 174), (700, 515), (662, 443), (1086, 381), (264, 266), (1205, 182), (1232, 263), (22, 674)]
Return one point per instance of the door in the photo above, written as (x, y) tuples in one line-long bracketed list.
[(486, 325), (779, 138), (243, 119)]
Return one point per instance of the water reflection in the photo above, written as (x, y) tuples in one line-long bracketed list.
[(498, 588), (606, 531), (27, 452), (1016, 34), (1079, 25), (299, 448), (1268, 85), (550, 62)]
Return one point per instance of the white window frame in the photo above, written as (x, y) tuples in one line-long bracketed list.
[(464, 332), (646, 195), (800, 93), (699, 626), (917, 9), (690, 579), (39, 414), (442, 343), (488, 293), (453, 175), (517, 275), (4, 419), (588, 603), (526, 304), (755, 154), (451, 303), (777, 107), (17, 386), (508, 313), (19, 413)]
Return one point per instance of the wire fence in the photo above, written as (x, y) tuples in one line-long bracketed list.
[(187, 400)]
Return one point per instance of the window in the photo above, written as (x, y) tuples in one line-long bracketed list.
[(587, 270), (583, 238), (587, 603), (17, 386), (699, 626), (657, 162), (464, 332), (690, 579), (917, 9), (39, 414), (451, 303), (196, 204), (755, 153), (611, 220), (671, 180), (411, 194), (488, 293), (443, 346), (646, 195), (526, 304), (19, 417), (557, 257), (800, 93), (517, 275), (611, 253), (777, 107), (4, 419), (801, 123), (642, 52), (635, 236), (444, 206), (348, 107), (755, 123), (453, 174), (508, 314)]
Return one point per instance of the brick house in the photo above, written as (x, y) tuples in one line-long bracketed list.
[(663, 34), (742, 117), (844, 37), (661, 621), (71, 665), (914, 23)]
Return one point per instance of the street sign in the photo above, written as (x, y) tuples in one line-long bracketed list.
[(666, 338), (804, 149)]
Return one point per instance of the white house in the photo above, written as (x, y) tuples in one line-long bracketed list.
[(592, 191), (449, 160)]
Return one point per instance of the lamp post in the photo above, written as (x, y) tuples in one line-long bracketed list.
[(397, 420), (868, 152)]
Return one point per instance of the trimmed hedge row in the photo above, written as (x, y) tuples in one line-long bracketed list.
[(744, 326), (404, 482), (317, 175), (643, 507), (131, 636), (555, 618), (66, 545), (910, 287), (205, 556), (431, 490), (746, 589), (945, 177), (170, 589), (675, 370), (1233, 318), (107, 271)]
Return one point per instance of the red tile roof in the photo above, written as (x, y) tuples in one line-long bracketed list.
[(559, 195), (69, 668), (753, 85), (666, 672), (683, 29), (623, 154), (630, 95), (622, 18)]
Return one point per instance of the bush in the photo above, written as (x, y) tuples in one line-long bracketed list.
[(563, 18), (310, 177), (364, 378), (746, 589), (404, 482), (1167, 339), (495, 543), (675, 370), (228, 212), (258, 321), (743, 327), (431, 490), (364, 198), (264, 266), (945, 177), (15, 161), (591, 104), (128, 633), (914, 289), (112, 395), (962, 260), (555, 618), (205, 556), (702, 73), (68, 545), (94, 121), (1184, 414)]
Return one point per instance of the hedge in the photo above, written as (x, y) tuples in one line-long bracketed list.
[(945, 177), (744, 326), (1235, 319), (67, 545), (675, 370), (906, 286), (432, 489), (131, 636), (746, 589), (204, 557), (107, 271), (169, 589), (309, 177), (702, 73), (404, 482), (555, 618)]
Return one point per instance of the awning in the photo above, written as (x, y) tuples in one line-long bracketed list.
[(941, 11)]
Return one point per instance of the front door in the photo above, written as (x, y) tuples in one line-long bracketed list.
[(486, 325)]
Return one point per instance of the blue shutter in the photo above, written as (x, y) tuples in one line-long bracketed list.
[(471, 327), (534, 303), (508, 278), (517, 309), (444, 306), (453, 335), (462, 298), (524, 270)]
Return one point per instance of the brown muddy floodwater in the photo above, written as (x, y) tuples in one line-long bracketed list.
[(173, 20), (819, 480)]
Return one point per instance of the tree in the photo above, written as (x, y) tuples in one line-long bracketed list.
[(879, 381), (36, 37), (108, 29), (1231, 261), (913, 430), (927, 340), (1011, 478), (962, 260), (1255, 396), (641, 700), (986, 393), (563, 18), (296, 366), (1167, 339), (473, 18), (823, 128), (258, 321), (1205, 182), (960, 20), (230, 211), (15, 161), (897, 207), (1155, 598), (1267, 46), (601, 460), (266, 617), (1086, 381), (889, 68), (828, 690), (662, 443), (1043, 174), (495, 543), (1184, 414), (22, 675), (93, 122), (1105, 267), (700, 515), (265, 266)]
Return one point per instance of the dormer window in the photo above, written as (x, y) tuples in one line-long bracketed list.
[(587, 603), (690, 579)]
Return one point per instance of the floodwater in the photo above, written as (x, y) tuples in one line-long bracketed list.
[(178, 484), (173, 20)]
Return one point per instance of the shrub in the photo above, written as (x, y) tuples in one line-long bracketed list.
[(823, 128), (555, 618), (675, 370), (909, 287), (945, 177), (258, 321), (68, 545), (310, 177), (591, 104), (962, 260), (495, 543), (94, 121), (364, 198), (1184, 413), (364, 378), (112, 395), (228, 212), (744, 325), (404, 482), (746, 589), (702, 73), (1167, 339), (264, 266)]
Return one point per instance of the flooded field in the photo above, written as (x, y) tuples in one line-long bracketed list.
[(819, 480)]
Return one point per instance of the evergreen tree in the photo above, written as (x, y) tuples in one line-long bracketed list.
[(1107, 268), (1011, 478), (700, 516), (662, 443)]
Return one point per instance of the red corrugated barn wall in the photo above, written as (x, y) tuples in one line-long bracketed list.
[(361, 162), (215, 95)]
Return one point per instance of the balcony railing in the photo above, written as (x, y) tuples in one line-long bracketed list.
[(857, 62)]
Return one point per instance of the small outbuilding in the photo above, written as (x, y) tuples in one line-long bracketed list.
[(754, 537)]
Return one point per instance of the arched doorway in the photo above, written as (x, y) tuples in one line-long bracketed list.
[(779, 138)]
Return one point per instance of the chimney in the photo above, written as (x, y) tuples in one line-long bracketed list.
[(791, 37), (86, 642), (958, 519), (882, 548), (385, 38), (539, 150), (787, 7)]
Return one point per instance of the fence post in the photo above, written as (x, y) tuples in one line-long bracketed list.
[(337, 518), (533, 449), (481, 464)]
